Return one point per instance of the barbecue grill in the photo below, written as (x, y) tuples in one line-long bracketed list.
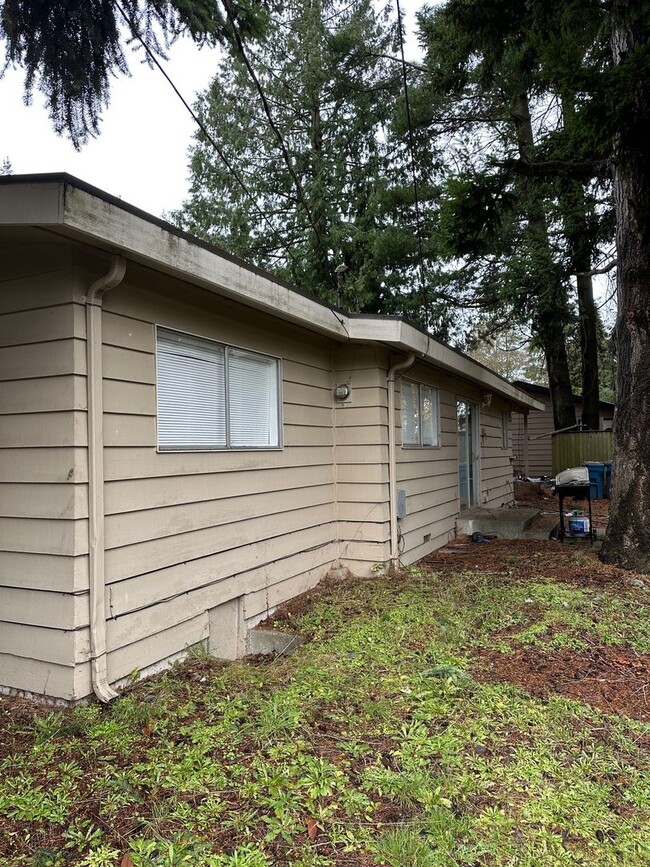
[(574, 482)]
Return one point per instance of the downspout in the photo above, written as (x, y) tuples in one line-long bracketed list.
[(393, 371), (97, 600)]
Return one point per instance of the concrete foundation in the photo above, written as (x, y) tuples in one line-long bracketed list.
[(271, 642)]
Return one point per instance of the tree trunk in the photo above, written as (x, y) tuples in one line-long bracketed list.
[(580, 241), (559, 381), (550, 301), (628, 534), (588, 347)]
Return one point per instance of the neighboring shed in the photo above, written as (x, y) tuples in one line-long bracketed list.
[(186, 442), (538, 461)]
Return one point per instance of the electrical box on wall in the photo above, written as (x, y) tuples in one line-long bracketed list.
[(401, 503)]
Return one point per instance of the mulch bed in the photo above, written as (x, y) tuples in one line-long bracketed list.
[(612, 679)]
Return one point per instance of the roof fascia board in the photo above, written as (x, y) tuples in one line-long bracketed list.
[(83, 213), (401, 335), (152, 245), (32, 204)]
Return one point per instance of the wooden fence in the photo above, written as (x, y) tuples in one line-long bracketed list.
[(572, 448)]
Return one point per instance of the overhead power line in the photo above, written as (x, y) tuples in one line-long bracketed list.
[(411, 145), (197, 120)]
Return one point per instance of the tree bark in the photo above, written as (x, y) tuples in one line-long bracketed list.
[(628, 534), (580, 242), (588, 325), (551, 300)]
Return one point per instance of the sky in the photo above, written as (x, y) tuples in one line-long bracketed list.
[(141, 154)]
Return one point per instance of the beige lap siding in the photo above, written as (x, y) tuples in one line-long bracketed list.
[(361, 457), (540, 446), (43, 473), (497, 472), (188, 531), (429, 475)]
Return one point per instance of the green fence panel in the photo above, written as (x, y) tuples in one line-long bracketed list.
[(572, 448)]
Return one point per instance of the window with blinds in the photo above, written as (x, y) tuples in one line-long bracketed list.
[(420, 414), (213, 396)]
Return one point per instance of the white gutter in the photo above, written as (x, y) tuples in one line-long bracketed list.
[(97, 599), (400, 367)]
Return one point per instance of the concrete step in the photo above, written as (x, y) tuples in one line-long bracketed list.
[(503, 523)]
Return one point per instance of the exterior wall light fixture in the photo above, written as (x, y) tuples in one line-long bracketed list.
[(342, 392)]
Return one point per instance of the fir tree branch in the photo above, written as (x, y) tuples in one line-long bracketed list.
[(604, 270), (267, 111)]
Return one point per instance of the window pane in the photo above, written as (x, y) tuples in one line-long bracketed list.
[(253, 399), (429, 415), (190, 392), (410, 413)]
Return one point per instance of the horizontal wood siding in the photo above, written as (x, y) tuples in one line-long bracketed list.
[(43, 493), (186, 532), (540, 446), (429, 475), (361, 455), (497, 474)]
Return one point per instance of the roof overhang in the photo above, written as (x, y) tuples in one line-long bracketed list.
[(70, 208)]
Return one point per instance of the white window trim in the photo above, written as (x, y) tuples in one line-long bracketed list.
[(436, 391), (225, 448)]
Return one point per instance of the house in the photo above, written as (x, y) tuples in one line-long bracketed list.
[(537, 459), (187, 442)]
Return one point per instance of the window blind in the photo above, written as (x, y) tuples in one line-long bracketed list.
[(210, 396), (252, 399)]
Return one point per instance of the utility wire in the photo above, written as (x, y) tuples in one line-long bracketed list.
[(411, 141), (152, 57), (269, 116)]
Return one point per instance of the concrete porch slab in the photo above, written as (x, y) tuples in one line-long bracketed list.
[(503, 523)]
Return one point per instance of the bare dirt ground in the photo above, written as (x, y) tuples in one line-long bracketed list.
[(614, 679)]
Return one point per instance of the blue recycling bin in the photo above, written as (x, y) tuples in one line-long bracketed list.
[(596, 479), (608, 479)]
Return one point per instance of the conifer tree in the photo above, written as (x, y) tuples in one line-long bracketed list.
[(306, 176), (69, 49), (519, 234), (628, 117)]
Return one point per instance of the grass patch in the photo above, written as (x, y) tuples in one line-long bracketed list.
[(382, 742)]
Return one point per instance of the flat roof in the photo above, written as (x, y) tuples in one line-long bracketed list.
[(545, 391), (74, 209)]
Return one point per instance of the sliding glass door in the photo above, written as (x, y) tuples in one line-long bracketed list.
[(468, 453)]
